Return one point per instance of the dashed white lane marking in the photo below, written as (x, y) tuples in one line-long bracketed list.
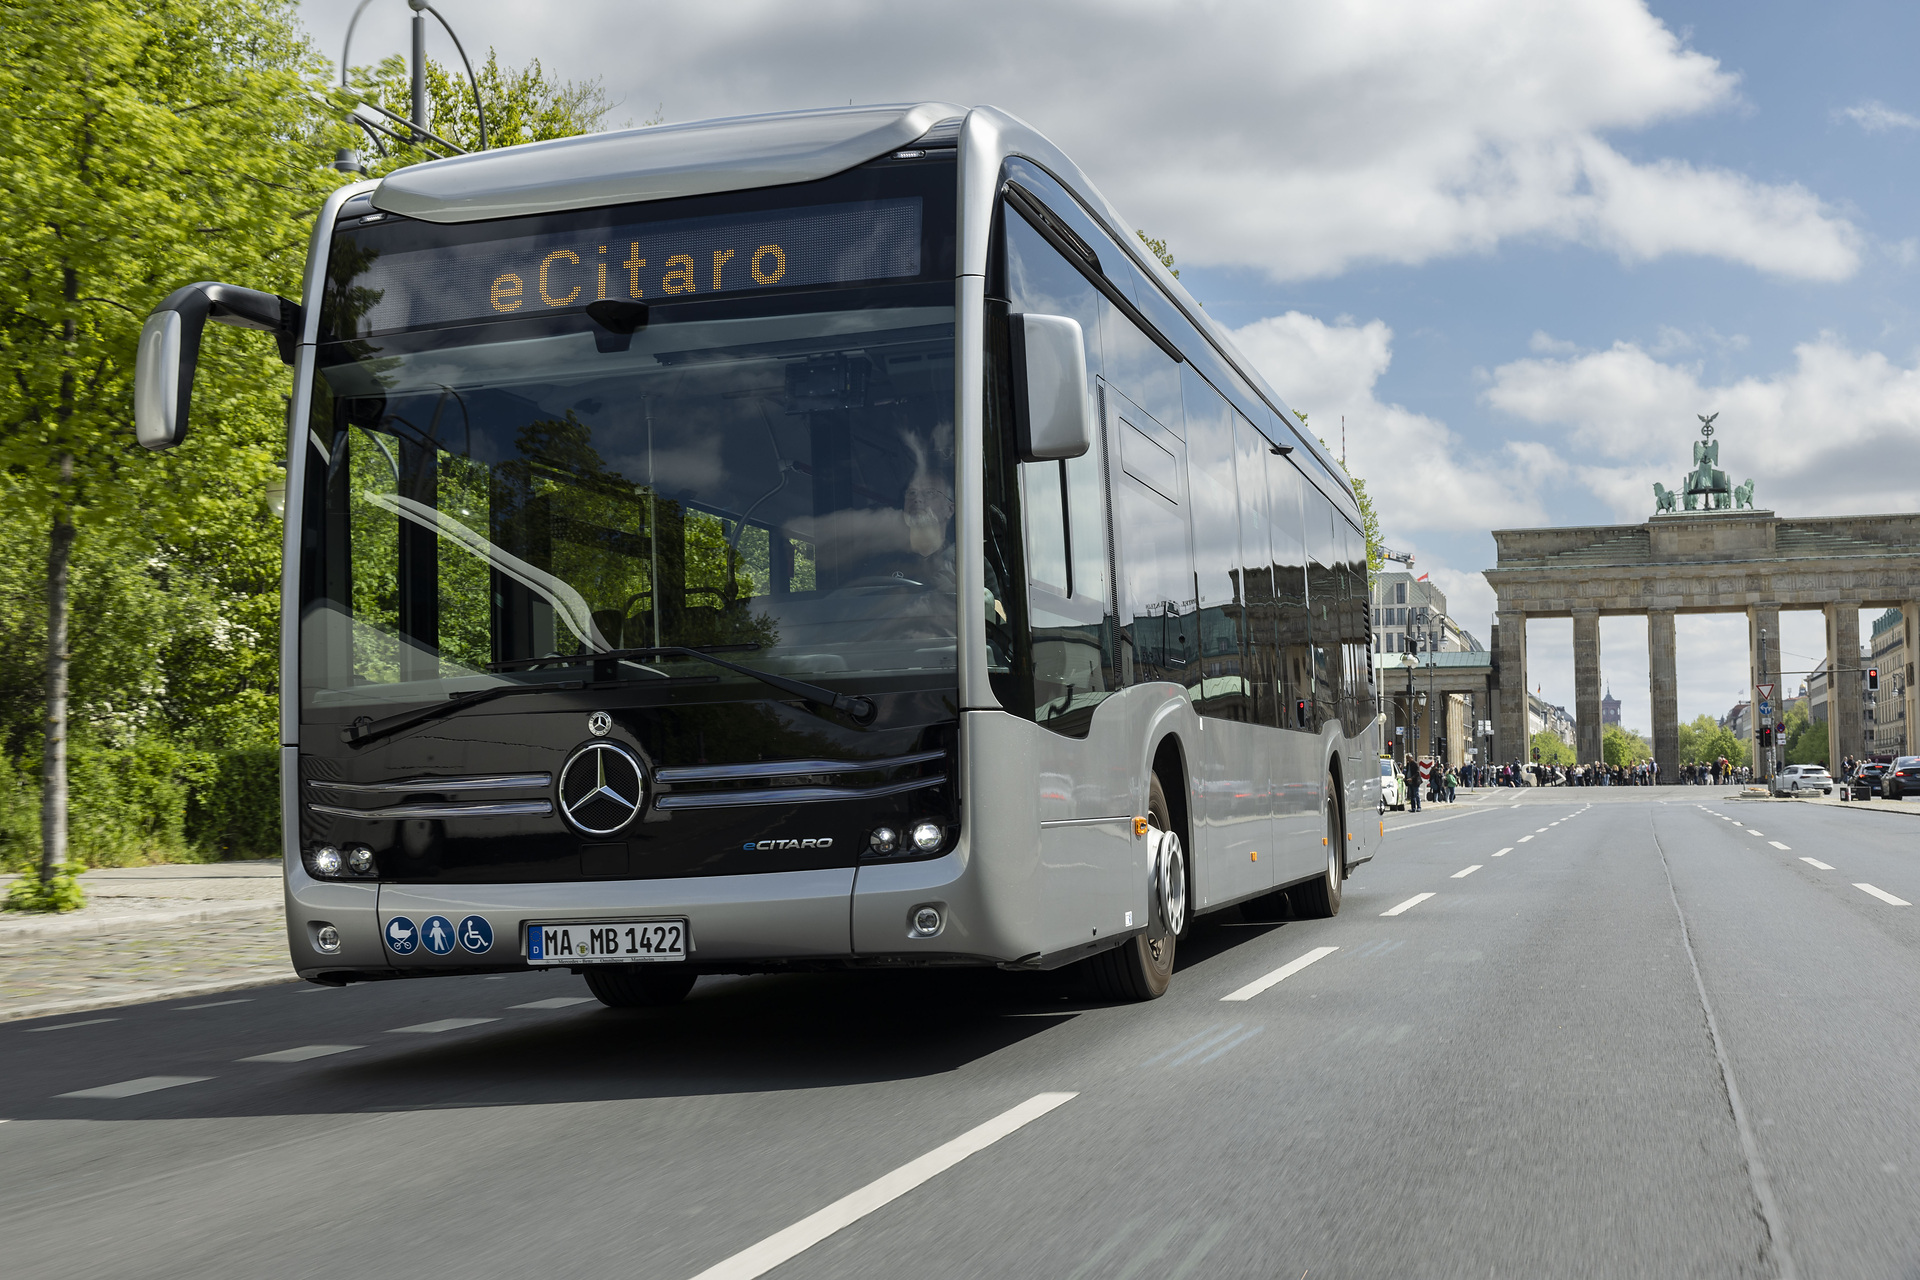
[(1414, 901), (1752, 832), (1539, 831), (555, 1002), (1787, 848), (1815, 862), (1281, 974), (1555, 824), (757, 1260), (1516, 806), (1462, 875), (444, 1024), (304, 1053), (1504, 852), (128, 1088), (217, 1004), (1883, 895), (67, 1026), (1524, 839)]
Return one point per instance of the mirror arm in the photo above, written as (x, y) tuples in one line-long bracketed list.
[(170, 349)]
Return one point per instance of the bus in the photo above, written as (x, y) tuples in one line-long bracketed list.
[(824, 539)]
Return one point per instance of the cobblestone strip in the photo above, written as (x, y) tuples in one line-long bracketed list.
[(140, 961)]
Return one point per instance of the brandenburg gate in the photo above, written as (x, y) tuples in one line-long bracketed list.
[(1725, 558)]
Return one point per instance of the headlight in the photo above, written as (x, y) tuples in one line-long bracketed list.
[(326, 861), (927, 836), (360, 860)]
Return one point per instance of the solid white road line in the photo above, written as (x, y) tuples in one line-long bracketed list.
[(128, 1088), (1787, 848), (761, 1258), (1883, 895), (555, 1002), (444, 1024), (1462, 875), (217, 1004), (1504, 852), (1524, 839), (303, 1053), (1281, 974), (1815, 862), (1414, 901), (63, 1026)]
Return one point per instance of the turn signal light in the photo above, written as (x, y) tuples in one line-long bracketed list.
[(1140, 826)]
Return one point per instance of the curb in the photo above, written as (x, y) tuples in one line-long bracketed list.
[(19, 924), (87, 1004)]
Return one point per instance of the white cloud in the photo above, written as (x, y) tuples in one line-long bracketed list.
[(1295, 139), (1878, 117), (1832, 433), (1417, 470)]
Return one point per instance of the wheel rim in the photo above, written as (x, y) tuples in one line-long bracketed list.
[(1173, 883)]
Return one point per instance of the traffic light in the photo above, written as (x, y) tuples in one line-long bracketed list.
[(1873, 679), (1766, 735), (1300, 712)]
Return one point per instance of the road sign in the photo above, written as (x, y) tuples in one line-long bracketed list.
[(1766, 691), (1766, 710)]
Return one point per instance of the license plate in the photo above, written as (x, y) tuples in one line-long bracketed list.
[(607, 942)]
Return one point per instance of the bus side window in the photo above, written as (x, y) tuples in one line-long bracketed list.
[(1220, 687), (1324, 605), (1353, 570), (1286, 494), (1259, 636)]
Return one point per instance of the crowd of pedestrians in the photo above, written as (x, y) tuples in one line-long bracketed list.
[(1427, 779)]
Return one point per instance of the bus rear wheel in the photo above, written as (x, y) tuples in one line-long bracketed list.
[(634, 986), (1141, 968), (1320, 896)]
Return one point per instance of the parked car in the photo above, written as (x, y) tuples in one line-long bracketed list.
[(1803, 777), (1393, 788), (1866, 779), (1901, 779)]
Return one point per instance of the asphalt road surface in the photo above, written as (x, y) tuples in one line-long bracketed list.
[(1617, 1033)]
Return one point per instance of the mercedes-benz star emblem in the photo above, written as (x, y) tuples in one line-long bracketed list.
[(602, 788), (599, 724)]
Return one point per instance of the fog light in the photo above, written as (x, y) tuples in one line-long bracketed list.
[(926, 922), (360, 859), (326, 861), (326, 938), (883, 840), (927, 836)]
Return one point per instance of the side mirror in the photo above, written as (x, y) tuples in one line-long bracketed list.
[(1053, 418), (170, 350)]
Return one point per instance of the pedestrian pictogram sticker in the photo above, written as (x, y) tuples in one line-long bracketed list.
[(401, 936), (437, 933), (476, 935)]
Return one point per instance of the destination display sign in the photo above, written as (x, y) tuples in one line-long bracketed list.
[(647, 262)]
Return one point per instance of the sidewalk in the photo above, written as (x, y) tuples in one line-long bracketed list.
[(1878, 806), (146, 933)]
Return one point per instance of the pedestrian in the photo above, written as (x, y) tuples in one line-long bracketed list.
[(1411, 772), (1453, 784)]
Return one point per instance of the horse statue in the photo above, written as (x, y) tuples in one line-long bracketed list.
[(1663, 497), (1743, 496)]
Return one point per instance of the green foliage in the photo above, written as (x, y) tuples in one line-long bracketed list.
[(523, 105), (1549, 749), (58, 892), (1704, 741), (1160, 251), (1623, 747), (1806, 741)]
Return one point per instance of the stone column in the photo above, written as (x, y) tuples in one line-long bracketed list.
[(1586, 687), (1910, 650), (1510, 731), (1843, 684), (1664, 685), (1766, 617)]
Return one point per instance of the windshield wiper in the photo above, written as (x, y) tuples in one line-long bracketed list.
[(860, 710), (363, 730)]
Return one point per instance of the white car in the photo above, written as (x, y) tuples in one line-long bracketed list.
[(1393, 788), (1803, 777)]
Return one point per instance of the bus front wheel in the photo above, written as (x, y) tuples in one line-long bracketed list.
[(1142, 967), (637, 986), (1320, 897)]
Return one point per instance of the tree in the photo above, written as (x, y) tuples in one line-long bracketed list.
[(1160, 251), (1704, 741), (1623, 747), (1806, 741), (148, 145), (1369, 521), (522, 105), (1550, 748)]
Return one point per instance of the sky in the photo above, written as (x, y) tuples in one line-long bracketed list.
[(1516, 246)]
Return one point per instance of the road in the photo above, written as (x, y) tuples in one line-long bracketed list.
[(1623, 1033)]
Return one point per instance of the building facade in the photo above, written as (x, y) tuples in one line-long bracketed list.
[(1410, 616), (1888, 647)]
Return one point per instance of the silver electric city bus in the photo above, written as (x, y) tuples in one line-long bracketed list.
[(810, 540)]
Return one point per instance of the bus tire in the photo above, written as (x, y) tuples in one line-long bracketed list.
[(1141, 968), (1319, 897), (639, 986)]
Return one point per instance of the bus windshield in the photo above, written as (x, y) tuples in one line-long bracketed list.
[(769, 475)]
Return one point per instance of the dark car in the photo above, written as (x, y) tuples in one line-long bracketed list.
[(1901, 779), (1866, 779)]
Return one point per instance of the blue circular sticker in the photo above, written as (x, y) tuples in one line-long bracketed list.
[(402, 937), (476, 935), (437, 933)]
